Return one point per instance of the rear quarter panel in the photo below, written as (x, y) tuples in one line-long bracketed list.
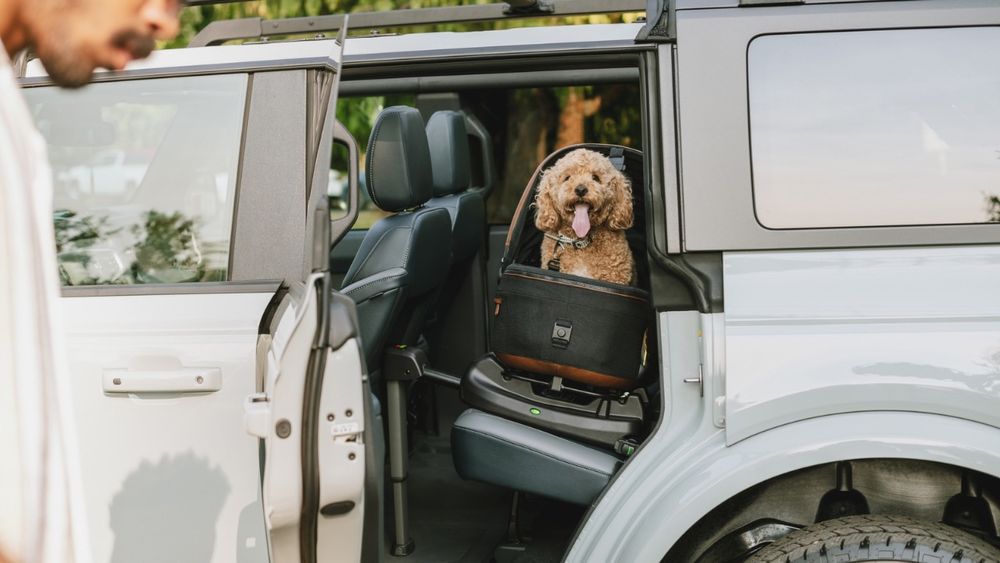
[(812, 333)]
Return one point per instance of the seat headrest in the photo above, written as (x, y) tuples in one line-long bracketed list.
[(450, 160), (397, 162)]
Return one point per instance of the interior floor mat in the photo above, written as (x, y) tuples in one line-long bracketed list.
[(545, 528), (457, 521), (451, 520)]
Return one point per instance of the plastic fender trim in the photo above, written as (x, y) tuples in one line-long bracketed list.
[(662, 492)]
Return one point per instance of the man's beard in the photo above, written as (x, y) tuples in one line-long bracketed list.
[(68, 67)]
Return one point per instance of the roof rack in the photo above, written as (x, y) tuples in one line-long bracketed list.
[(219, 32)]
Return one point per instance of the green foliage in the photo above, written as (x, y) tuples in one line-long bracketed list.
[(993, 208), (167, 250), (74, 235), (164, 249), (194, 19)]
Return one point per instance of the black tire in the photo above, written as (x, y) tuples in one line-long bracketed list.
[(878, 538)]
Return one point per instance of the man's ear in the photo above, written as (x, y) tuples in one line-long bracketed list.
[(621, 213), (546, 216)]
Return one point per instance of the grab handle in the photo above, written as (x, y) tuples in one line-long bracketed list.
[(183, 380)]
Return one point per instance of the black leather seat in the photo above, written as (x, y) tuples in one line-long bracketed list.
[(450, 163), (451, 166), (503, 452), (404, 258)]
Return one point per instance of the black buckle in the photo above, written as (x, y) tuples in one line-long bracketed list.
[(562, 331), (626, 446)]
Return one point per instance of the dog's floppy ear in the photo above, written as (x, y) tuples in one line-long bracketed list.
[(621, 212), (546, 216)]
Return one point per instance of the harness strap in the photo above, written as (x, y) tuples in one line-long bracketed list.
[(617, 157)]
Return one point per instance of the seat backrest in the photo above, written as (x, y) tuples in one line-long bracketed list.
[(457, 322), (404, 258), (450, 163)]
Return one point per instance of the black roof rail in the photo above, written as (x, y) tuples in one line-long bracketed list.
[(660, 23), (219, 32)]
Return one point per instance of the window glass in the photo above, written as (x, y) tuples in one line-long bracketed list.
[(145, 177), (875, 128)]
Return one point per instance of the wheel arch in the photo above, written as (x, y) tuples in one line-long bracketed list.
[(665, 490)]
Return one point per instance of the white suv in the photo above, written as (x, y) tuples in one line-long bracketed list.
[(819, 190)]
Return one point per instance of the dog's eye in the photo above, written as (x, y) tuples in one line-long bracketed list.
[(566, 178), (595, 177)]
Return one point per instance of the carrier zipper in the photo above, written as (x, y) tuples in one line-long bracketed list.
[(496, 309)]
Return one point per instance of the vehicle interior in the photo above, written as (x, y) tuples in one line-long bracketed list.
[(461, 483)]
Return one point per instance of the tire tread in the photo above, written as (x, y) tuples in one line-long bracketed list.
[(873, 537)]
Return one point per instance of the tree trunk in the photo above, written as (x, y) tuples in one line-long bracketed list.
[(529, 119), (571, 119)]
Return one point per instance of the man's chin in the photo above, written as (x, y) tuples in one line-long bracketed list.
[(69, 75)]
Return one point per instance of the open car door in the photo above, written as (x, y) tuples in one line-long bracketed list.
[(193, 233), (314, 406)]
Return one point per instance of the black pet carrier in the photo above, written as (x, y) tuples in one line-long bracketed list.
[(553, 323), (568, 352)]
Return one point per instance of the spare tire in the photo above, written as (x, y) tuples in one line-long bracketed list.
[(877, 538)]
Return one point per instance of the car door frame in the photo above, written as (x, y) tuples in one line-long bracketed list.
[(263, 258)]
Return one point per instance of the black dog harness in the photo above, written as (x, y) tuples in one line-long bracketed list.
[(562, 243)]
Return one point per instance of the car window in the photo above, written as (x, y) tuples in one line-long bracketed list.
[(144, 176), (875, 128)]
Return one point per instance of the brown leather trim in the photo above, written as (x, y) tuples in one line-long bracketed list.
[(566, 372), (583, 286), (525, 196)]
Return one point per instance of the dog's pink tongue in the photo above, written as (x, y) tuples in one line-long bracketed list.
[(581, 220)]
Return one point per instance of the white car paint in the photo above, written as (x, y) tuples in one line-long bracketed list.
[(161, 469), (810, 333)]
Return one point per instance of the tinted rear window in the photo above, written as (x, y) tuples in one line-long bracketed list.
[(876, 128)]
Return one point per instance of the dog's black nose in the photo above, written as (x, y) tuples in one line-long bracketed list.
[(581, 191)]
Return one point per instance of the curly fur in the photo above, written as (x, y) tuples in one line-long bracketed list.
[(609, 194)]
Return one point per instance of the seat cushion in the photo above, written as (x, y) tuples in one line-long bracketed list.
[(502, 452)]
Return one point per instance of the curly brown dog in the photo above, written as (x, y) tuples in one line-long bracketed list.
[(584, 206)]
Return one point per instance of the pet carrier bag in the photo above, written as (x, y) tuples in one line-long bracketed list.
[(557, 324), (567, 352)]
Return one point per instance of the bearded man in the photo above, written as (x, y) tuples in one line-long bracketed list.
[(42, 518)]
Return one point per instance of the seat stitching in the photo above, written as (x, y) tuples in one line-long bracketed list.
[(373, 282), (371, 166), (543, 454), (375, 245)]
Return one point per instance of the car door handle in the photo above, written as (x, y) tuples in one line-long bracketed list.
[(181, 380)]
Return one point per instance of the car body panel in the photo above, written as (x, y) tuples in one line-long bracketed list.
[(148, 482), (508, 41), (685, 469), (714, 119), (222, 59), (810, 333), (163, 372)]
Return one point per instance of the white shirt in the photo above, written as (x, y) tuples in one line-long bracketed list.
[(41, 504)]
